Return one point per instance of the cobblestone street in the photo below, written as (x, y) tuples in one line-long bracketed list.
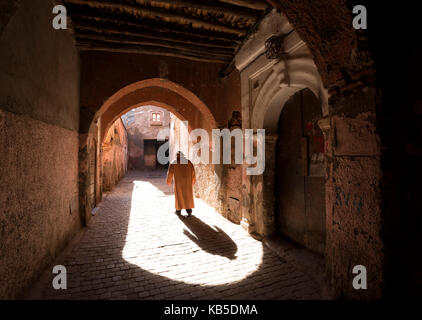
[(137, 248)]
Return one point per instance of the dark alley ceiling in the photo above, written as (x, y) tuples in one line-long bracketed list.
[(200, 30)]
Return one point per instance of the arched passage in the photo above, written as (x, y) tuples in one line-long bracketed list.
[(186, 106), (340, 75), (266, 206), (271, 83), (284, 81), (106, 125), (159, 92), (41, 82), (162, 93)]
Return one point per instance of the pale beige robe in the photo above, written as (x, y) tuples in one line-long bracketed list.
[(184, 179)]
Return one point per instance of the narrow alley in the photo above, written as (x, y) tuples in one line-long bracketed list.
[(301, 119), (136, 247)]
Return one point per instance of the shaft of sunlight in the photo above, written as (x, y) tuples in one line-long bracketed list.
[(201, 249)]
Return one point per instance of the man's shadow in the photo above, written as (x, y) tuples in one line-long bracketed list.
[(214, 241)]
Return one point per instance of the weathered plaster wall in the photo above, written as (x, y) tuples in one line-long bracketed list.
[(114, 155), (140, 128), (209, 185), (89, 176), (38, 197), (232, 192), (39, 98), (353, 198), (340, 61), (326, 27), (103, 74), (39, 80)]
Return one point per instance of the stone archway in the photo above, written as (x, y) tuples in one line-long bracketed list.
[(326, 27), (159, 92), (270, 83), (342, 62)]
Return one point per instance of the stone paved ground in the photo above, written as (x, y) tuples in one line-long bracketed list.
[(137, 248)]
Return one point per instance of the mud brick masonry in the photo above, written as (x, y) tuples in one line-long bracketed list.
[(342, 120)]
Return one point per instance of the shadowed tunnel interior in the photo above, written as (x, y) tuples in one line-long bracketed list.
[(340, 106), (135, 248)]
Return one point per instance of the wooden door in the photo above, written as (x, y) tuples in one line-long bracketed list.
[(300, 173)]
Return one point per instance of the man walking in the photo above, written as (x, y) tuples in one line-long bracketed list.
[(183, 172)]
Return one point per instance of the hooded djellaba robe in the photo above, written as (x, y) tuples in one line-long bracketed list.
[(184, 179)]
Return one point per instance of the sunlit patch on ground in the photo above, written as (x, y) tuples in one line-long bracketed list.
[(137, 248), (178, 247)]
